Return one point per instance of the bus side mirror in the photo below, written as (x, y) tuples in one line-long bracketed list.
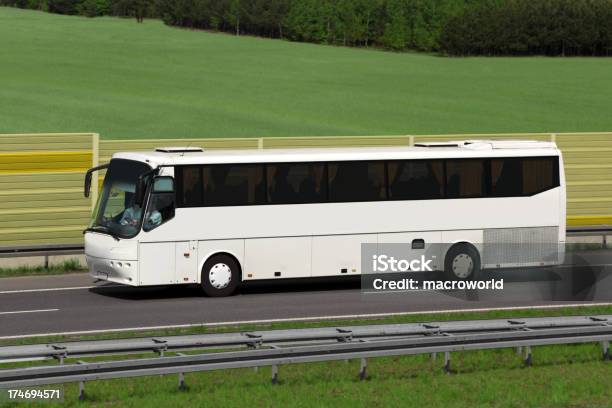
[(87, 187), (88, 176)]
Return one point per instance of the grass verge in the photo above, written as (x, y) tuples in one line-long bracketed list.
[(67, 266)]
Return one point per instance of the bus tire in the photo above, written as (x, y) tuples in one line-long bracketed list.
[(462, 262), (220, 275)]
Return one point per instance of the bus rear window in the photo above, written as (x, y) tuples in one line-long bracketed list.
[(523, 176)]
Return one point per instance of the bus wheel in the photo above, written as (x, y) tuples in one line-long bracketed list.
[(462, 262), (220, 275)]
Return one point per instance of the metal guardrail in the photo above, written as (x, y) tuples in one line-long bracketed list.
[(42, 250), (72, 249), (279, 347), (589, 231)]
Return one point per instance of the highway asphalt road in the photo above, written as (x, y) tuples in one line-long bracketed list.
[(74, 303)]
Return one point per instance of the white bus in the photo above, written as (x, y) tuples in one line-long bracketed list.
[(219, 218)]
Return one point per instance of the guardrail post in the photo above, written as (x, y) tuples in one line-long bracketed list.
[(519, 350), (274, 374), (60, 358), (605, 345), (447, 362), (181, 382), (434, 356), (363, 369), (81, 390), (528, 356)]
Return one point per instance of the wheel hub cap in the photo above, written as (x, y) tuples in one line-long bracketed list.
[(220, 276), (463, 266)]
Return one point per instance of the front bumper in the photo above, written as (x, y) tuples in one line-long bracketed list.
[(113, 270)]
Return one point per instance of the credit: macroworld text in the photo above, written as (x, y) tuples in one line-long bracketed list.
[(414, 284)]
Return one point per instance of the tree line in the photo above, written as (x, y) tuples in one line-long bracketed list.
[(531, 27), (452, 27), (390, 24)]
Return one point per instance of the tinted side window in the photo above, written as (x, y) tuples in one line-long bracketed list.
[(416, 179), (233, 184), (507, 177), (540, 174), (523, 176), (356, 181), (465, 178), (188, 186), (292, 183)]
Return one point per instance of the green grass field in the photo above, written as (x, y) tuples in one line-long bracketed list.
[(129, 80)]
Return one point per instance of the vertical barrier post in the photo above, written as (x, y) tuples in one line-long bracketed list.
[(81, 390), (528, 356), (363, 369), (447, 362), (605, 345), (274, 374)]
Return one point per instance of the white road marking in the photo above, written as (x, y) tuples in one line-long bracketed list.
[(29, 311), (305, 319), (6, 292)]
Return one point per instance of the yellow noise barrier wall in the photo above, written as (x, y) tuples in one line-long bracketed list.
[(41, 188), (41, 175)]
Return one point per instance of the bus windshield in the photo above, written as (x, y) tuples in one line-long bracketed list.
[(115, 212)]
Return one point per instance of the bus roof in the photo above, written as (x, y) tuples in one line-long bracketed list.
[(432, 150)]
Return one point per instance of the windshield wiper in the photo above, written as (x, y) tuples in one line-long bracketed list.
[(101, 228)]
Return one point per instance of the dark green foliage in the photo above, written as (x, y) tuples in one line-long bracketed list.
[(528, 27), (63, 6), (89, 8), (94, 8), (25, 4)]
